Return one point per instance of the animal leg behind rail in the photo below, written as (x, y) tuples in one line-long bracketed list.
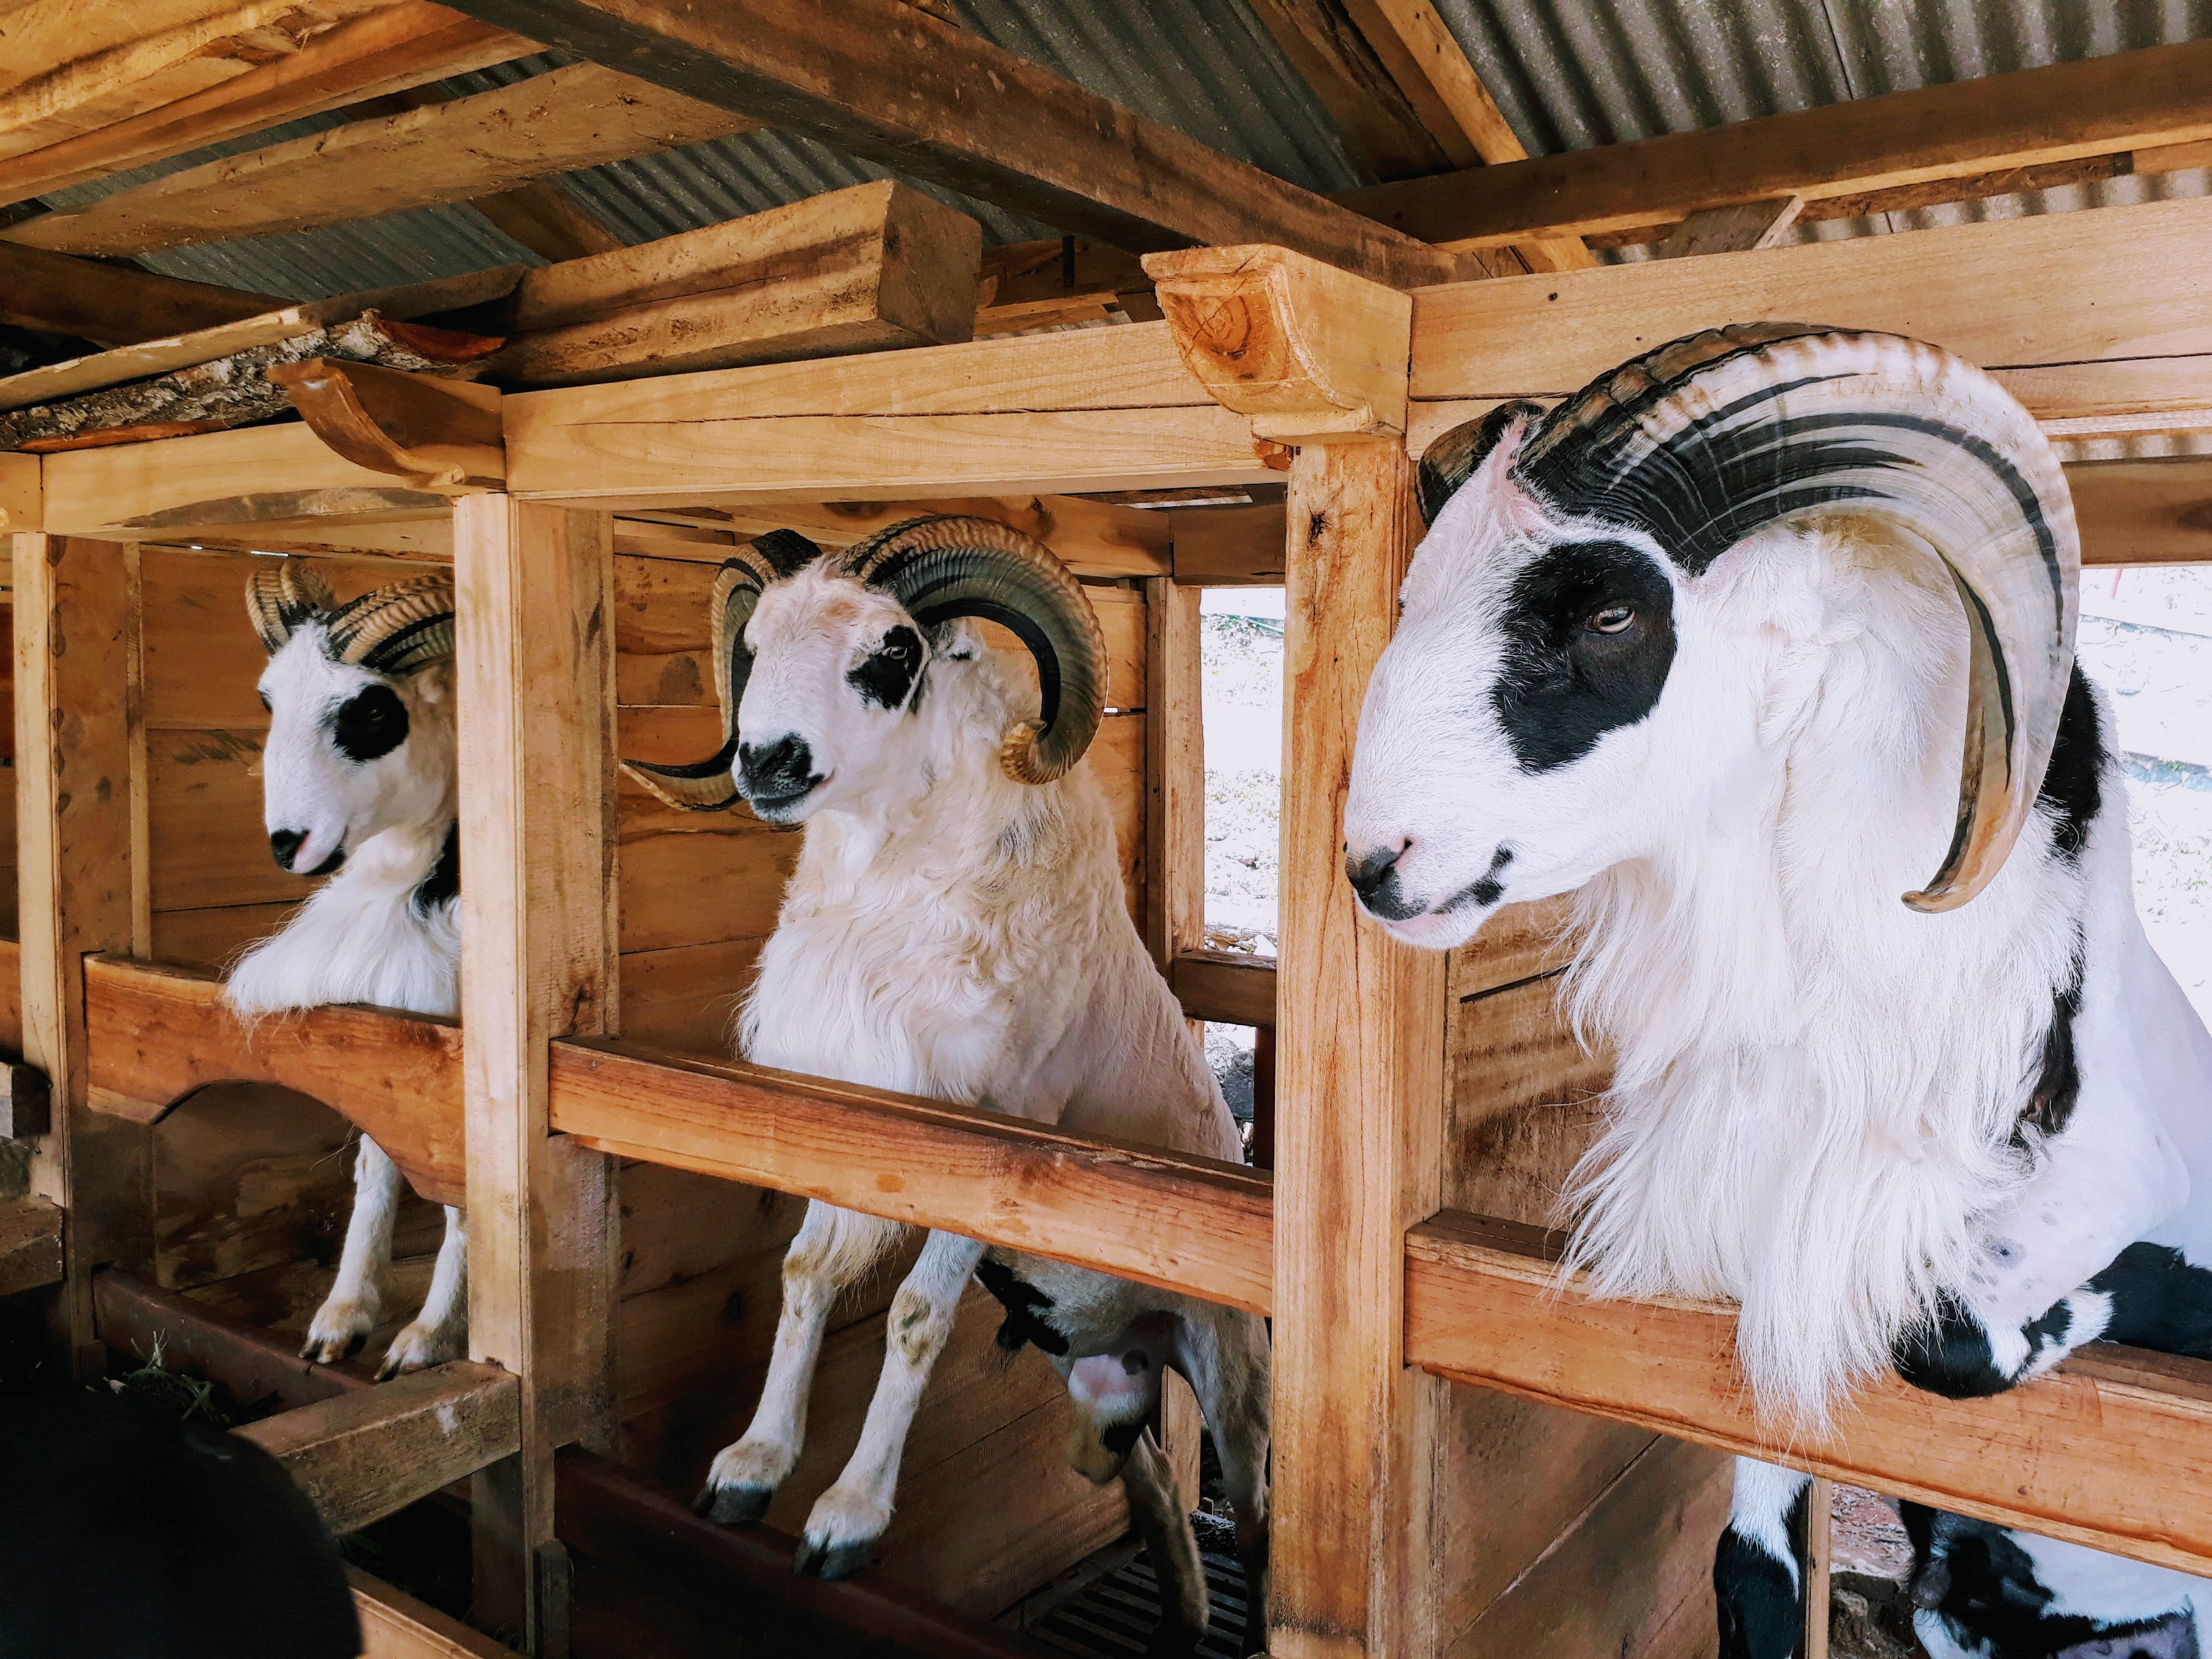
[(852, 1515), (349, 1313), (1760, 1570), (1225, 1355), (441, 1331), (1156, 1511)]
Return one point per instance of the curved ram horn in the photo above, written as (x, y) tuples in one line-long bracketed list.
[(1705, 441), (943, 567), (282, 595), (399, 628), (710, 785), (1450, 461)]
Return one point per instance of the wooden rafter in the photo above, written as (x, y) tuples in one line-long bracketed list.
[(1375, 117), (112, 304), (1906, 148), (575, 116), (969, 116)]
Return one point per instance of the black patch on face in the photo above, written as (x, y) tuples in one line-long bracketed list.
[(890, 670), (371, 723), (1950, 1355), (2058, 1080), (1761, 1610), (1976, 1576), (1564, 685), (1024, 1303), (2073, 786), (443, 884), (1485, 889), (2159, 1300)]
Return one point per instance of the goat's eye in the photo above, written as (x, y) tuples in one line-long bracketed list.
[(1610, 619), (265, 703), (370, 723)]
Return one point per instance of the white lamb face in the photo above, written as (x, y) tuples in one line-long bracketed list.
[(1529, 724), (837, 668), (350, 752)]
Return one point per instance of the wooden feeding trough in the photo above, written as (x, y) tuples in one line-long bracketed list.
[(1459, 1453)]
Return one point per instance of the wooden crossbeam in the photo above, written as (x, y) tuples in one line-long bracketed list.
[(1221, 985), (1377, 119), (968, 115), (362, 1456), (1851, 153), (385, 52), (575, 116), (112, 304), (30, 1245), (395, 1626), (2111, 1451), (1092, 538), (1189, 1224)]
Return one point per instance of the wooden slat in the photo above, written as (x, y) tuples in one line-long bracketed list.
[(1189, 1223), (395, 1626), (2109, 1451), (2143, 512), (30, 1245), (578, 116), (1221, 985), (1174, 871), (45, 36), (136, 1316), (968, 115), (361, 1457), (1229, 546), (2100, 106), (155, 1034), (386, 50), (112, 304)]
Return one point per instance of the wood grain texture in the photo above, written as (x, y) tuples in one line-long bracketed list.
[(1229, 546), (1188, 1224), (2098, 105), (2143, 512), (158, 1033), (112, 304), (361, 1457), (1173, 916), (1378, 120), (248, 1177), (969, 116), (30, 1245), (1091, 539), (1222, 985), (1359, 1107), (395, 1626), (2104, 1452)]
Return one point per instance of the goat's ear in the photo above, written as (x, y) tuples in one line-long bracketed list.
[(1452, 459)]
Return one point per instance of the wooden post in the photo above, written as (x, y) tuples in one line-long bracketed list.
[(1319, 359), (74, 693), (537, 850)]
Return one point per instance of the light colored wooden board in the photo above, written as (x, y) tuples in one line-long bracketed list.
[(2143, 512), (247, 1178), (685, 998), (1219, 985), (1173, 873), (46, 36), (395, 1626), (21, 501), (1229, 546)]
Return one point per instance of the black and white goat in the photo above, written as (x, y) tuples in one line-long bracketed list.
[(359, 783), (1691, 646), (955, 928)]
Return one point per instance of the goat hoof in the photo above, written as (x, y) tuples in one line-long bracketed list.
[(729, 1506), (833, 1560), (420, 1346)]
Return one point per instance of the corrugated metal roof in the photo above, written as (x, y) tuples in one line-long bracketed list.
[(1569, 74)]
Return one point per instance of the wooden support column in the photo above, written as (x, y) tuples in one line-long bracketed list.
[(536, 689), (1319, 359), (74, 697)]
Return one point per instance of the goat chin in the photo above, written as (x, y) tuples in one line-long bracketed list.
[(1815, 1088), (360, 938)]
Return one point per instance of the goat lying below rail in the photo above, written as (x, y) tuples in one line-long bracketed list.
[(955, 928), (1678, 646), (360, 781)]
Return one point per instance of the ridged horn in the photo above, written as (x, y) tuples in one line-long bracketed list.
[(399, 628), (1708, 439), (710, 785), (942, 568), (1450, 461), (280, 596)]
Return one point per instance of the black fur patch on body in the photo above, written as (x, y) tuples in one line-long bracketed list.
[(2058, 1080), (890, 670), (1762, 1605), (1565, 684), (443, 884), (1950, 1356), (2073, 792), (1023, 1302), (370, 724), (2161, 1300)]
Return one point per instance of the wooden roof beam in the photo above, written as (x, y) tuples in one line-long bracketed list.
[(968, 115), (113, 304), (1867, 155)]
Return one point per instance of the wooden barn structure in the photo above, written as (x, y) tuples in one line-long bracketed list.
[(1466, 1462)]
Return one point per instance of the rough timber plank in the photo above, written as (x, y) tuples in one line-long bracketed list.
[(2108, 1451), (968, 115), (2143, 512), (578, 116), (30, 1245), (361, 1457), (395, 1626), (112, 304), (2125, 102), (45, 36), (155, 1034), (386, 50), (1186, 1223)]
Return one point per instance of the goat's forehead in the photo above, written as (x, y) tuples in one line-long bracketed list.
[(303, 670), (814, 606), (1473, 561)]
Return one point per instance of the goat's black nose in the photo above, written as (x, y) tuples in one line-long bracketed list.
[(285, 844), (778, 770), (1369, 872)]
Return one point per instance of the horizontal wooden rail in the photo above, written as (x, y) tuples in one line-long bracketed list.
[(155, 1034), (361, 1457), (134, 1318), (1186, 1223), (395, 1626), (30, 1245), (2111, 1451), (1237, 990)]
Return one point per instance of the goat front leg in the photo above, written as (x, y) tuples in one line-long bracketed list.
[(441, 1331), (1156, 1511), (852, 1515), (349, 1313), (1760, 1570), (1225, 1355), (833, 1249)]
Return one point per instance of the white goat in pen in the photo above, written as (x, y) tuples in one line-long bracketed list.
[(1679, 645), (955, 928), (360, 782)]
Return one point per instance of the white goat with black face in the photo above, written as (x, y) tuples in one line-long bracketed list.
[(1680, 645), (956, 929), (360, 782)]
